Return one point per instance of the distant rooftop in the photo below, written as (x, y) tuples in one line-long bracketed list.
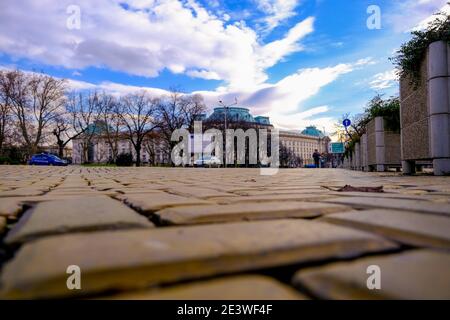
[(313, 131), (237, 114)]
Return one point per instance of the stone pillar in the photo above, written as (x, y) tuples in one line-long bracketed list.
[(353, 161), (439, 104), (408, 167), (364, 156), (357, 156), (379, 143)]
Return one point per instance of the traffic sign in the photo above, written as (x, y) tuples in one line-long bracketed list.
[(336, 147), (347, 123)]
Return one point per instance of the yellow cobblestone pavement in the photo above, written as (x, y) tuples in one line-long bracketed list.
[(181, 233)]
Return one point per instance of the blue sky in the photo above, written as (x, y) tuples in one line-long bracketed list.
[(300, 62)]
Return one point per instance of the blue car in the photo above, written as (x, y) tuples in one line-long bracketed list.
[(44, 159)]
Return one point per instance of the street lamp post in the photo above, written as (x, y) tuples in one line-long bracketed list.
[(225, 130)]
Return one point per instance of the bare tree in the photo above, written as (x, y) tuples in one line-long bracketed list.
[(5, 107), (85, 109), (137, 112), (113, 123), (36, 100), (288, 159), (63, 132), (177, 111)]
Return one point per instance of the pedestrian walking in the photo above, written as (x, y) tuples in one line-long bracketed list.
[(316, 157)]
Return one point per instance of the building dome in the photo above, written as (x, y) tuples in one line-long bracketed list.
[(262, 120), (98, 127), (234, 114), (313, 131)]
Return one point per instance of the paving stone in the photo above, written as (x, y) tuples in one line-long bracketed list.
[(86, 192), (202, 193), (21, 192), (150, 202), (10, 207), (138, 258), (75, 215), (126, 190), (245, 211), (108, 186), (249, 287), (280, 192), (417, 274), (399, 204), (385, 195), (53, 197), (415, 229), (273, 198)]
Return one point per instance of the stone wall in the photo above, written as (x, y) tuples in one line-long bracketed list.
[(357, 156), (392, 148), (414, 117), (364, 151), (383, 147), (371, 144), (425, 113)]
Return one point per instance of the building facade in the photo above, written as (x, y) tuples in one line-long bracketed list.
[(95, 147), (303, 143), (98, 148)]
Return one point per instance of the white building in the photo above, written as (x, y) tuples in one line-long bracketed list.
[(98, 150), (304, 143)]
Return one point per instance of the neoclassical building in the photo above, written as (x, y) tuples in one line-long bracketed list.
[(94, 146), (96, 149), (304, 143)]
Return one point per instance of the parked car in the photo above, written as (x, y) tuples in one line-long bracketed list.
[(45, 159), (207, 162)]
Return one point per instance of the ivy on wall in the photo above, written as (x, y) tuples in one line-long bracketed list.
[(411, 54), (389, 109)]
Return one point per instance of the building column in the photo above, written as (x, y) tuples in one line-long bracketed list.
[(364, 155), (357, 156), (408, 167), (439, 104), (379, 143)]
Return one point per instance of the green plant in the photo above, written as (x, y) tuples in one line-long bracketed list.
[(411, 54), (124, 160), (389, 109), (13, 155), (98, 164), (5, 160)]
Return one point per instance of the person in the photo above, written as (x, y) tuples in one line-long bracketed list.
[(323, 159), (316, 157)]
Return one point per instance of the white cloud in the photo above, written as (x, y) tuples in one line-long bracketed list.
[(410, 14), (180, 36), (272, 52), (277, 11), (113, 88), (384, 80), (281, 101), (300, 120), (425, 22), (209, 75), (144, 39)]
